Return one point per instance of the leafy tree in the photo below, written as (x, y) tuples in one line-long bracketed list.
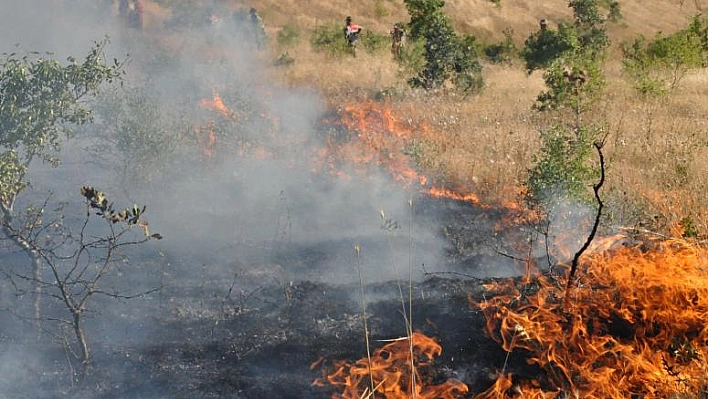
[(561, 170), (133, 134), (40, 101), (572, 59), (447, 56), (503, 52), (583, 41), (546, 45), (589, 25), (422, 13), (657, 66)]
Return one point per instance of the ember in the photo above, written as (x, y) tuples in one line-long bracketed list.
[(217, 104), (389, 373), (636, 326)]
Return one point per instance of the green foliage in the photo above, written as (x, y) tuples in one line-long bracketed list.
[(562, 170), (657, 66), (503, 52), (373, 42), (39, 104), (689, 228), (284, 59), (546, 45), (585, 39), (615, 11), (448, 58), (412, 57), (571, 83), (330, 39), (134, 134), (12, 172), (289, 35), (422, 13), (589, 25)]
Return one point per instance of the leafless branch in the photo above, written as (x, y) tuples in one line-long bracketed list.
[(596, 224)]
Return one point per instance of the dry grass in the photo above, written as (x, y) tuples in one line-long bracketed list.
[(657, 150)]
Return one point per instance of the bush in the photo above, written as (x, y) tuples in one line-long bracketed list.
[(561, 170), (448, 58), (545, 46), (289, 35), (503, 52), (330, 39), (657, 66)]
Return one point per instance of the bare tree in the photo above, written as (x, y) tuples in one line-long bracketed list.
[(77, 262)]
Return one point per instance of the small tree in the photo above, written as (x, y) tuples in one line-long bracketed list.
[(79, 262), (447, 56), (573, 77), (656, 67), (40, 101), (561, 171), (133, 134)]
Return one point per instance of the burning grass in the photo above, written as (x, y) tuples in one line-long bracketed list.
[(390, 370), (634, 327)]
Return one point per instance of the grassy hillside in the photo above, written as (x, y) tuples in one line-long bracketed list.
[(657, 150)]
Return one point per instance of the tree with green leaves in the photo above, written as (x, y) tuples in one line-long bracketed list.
[(572, 59), (133, 136), (40, 101), (656, 66), (448, 57)]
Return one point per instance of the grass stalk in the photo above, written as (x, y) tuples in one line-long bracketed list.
[(357, 248)]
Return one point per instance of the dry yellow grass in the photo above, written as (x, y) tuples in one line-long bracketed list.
[(657, 150)]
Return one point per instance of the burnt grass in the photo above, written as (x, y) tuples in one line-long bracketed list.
[(255, 335)]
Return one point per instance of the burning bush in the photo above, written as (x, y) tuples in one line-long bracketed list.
[(635, 326)]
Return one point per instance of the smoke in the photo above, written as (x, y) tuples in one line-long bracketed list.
[(253, 214)]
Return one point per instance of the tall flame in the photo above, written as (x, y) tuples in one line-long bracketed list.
[(636, 326)]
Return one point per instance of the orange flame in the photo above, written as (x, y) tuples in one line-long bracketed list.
[(375, 137), (217, 104), (390, 371), (636, 326)]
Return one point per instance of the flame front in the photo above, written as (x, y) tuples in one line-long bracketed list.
[(375, 136), (635, 326), (390, 373)]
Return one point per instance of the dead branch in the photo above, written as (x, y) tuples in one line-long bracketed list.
[(596, 188)]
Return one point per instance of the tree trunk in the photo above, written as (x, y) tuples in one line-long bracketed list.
[(81, 339), (36, 265)]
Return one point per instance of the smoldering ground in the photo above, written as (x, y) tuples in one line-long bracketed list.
[(234, 222)]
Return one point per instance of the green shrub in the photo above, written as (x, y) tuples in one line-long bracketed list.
[(562, 169), (656, 67), (503, 52), (284, 59), (330, 39), (289, 35), (448, 58), (545, 46), (373, 42)]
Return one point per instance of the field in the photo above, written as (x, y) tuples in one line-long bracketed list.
[(485, 143), (299, 194)]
